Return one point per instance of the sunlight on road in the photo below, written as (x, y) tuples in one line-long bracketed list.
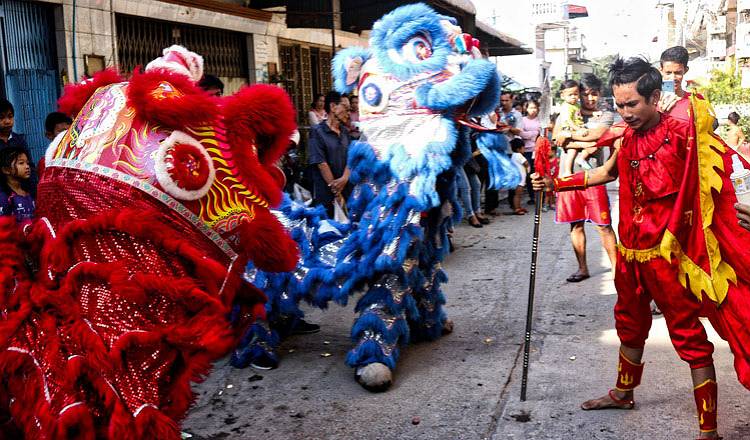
[(660, 336)]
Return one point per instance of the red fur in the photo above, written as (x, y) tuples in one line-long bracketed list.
[(194, 107), (153, 425), (24, 381), (76, 422), (260, 115), (268, 245), (143, 223), (75, 95)]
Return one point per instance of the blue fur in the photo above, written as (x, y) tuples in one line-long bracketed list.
[(397, 27), (340, 64), (395, 208), (476, 77), (503, 173)]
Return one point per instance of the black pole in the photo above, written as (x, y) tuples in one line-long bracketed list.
[(532, 283), (333, 28)]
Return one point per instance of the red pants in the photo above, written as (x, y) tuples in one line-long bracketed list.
[(638, 283), (590, 205)]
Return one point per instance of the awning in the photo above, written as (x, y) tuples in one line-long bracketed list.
[(575, 11), (498, 44), (359, 15)]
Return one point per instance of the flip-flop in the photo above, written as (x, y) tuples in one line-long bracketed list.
[(577, 278)]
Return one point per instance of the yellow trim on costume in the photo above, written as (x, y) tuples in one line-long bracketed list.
[(710, 160), (704, 383), (633, 363), (639, 255)]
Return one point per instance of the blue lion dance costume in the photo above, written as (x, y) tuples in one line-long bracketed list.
[(420, 76)]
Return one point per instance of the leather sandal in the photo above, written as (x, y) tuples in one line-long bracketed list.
[(577, 278), (623, 404)]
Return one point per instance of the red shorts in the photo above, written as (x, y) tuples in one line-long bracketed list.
[(637, 284), (586, 205)]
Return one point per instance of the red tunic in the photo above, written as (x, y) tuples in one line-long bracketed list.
[(651, 166)]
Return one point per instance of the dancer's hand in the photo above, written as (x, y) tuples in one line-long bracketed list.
[(667, 101), (743, 213), (541, 183)]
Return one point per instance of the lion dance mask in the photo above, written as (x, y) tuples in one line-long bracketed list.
[(149, 207)]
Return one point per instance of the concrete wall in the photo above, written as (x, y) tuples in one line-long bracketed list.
[(96, 33)]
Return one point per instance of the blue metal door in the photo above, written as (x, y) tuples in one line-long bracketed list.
[(30, 68)]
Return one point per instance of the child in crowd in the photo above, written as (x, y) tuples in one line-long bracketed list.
[(516, 145), (15, 181), (571, 123), (8, 137), (56, 123)]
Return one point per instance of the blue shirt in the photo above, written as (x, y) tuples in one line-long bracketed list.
[(21, 207), (326, 146)]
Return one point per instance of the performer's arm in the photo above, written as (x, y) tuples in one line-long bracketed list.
[(581, 180)]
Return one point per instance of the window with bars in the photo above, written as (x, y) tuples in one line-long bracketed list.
[(308, 72), (140, 40)]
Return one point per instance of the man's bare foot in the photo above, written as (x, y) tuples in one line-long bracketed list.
[(610, 401)]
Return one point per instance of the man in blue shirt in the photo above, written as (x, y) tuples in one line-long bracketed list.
[(328, 149)]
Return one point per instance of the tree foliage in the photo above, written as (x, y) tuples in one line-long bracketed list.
[(725, 87)]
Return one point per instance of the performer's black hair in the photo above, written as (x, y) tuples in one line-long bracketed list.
[(734, 117), (590, 81), (569, 84), (635, 70), (676, 54)]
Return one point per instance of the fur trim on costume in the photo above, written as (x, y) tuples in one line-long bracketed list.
[(170, 99), (347, 67), (259, 120), (177, 59), (183, 167), (74, 96), (49, 154), (394, 36), (270, 248)]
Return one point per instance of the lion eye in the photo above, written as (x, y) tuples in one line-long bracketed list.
[(417, 49)]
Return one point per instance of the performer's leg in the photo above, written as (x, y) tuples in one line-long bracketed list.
[(633, 322), (578, 239), (681, 311), (609, 242), (705, 392)]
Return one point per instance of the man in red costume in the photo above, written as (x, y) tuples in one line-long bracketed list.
[(650, 159), (591, 204)]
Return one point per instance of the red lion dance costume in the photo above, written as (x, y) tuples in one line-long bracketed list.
[(118, 295)]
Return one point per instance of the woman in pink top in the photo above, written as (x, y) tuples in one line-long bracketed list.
[(530, 130)]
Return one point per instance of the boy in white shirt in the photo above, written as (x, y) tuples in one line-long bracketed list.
[(516, 145)]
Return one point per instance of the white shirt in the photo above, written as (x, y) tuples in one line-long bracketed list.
[(520, 161)]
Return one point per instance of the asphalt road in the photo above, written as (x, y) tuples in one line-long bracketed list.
[(467, 384)]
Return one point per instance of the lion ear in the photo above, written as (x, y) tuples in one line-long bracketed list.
[(347, 67)]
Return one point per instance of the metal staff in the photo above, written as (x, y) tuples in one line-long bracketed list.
[(532, 282)]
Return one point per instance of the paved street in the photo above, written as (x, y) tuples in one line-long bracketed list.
[(466, 385)]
